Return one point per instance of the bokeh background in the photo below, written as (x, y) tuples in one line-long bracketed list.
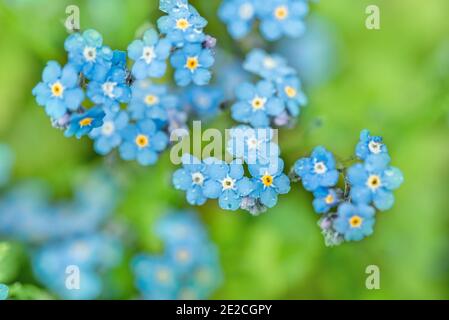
[(393, 81)]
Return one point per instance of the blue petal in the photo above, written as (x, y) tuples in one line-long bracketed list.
[(383, 199), (212, 189), (269, 197), (182, 180)]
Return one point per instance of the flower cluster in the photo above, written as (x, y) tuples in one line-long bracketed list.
[(128, 111), (226, 181), (188, 269), (276, 18), (349, 214), (275, 100)]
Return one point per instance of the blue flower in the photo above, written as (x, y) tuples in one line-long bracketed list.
[(227, 184), (183, 25), (110, 90), (374, 181), (270, 67), (59, 90), (150, 55), (108, 136), (318, 170), (4, 291), (269, 182), (256, 104), (326, 199), (180, 227), (6, 162), (354, 222), (239, 15), (282, 17), (252, 145), (82, 124), (369, 145), (88, 54), (191, 64), (191, 178), (204, 101), (289, 89), (143, 142), (151, 101)]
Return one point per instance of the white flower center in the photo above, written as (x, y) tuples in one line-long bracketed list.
[(246, 11), (253, 143), (108, 128), (151, 100), (374, 147), (228, 183), (90, 54), (269, 63), (108, 89), (197, 178), (320, 168), (163, 275), (148, 54), (182, 255)]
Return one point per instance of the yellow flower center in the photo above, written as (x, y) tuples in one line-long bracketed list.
[(163, 275), (151, 100), (192, 63), (258, 103), (373, 182), (355, 221), (290, 91), (57, 89), (281, 12), (329, 199), (182, 24), (85, 122), (267, 180), (142, 141)]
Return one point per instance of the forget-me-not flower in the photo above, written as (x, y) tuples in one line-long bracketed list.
[(326, 199), (369, 145), (59, 90), (81, 124), (289, 90), (239, 16), (354, 222), (204, 101), (268, 66), (108, 136)]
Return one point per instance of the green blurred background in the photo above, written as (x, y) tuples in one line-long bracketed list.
[(393, 81)]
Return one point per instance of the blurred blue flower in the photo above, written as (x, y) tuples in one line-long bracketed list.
[(168, 5), (289, 90), (257, 103), (252, 145), (81, 124), (318, 170), (191, 178), (108, 136), (270, 181), (180, 227), (239, 16), (204, 101), (6, 163), (369, 145), (143, 142), (110, 90), (227, 183), (326, 199), (4, 291), (86, 254), (59, 90), (182, 24), (282, 17), (354, 222), (151, 101), (192, 63), (374, 181), (270, 67), (150, 55), (88, 54)]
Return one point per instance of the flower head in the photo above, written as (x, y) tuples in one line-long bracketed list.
[(59, 90), (256, 104), (204, 101), (269, 181), (143, 142), (239, 16), (150, 55), (81, 124), (88, 54), (374, 181), (192, 63), (289, 90), (109, 136), (282, 17), (318, 170), (326, 199), (354, 222), (270, 67), (369, 145)]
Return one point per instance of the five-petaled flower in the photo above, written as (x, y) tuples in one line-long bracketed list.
[(326, 199), (268, 66), (354, 222), (369, 145), (239, 16), (82, 124), (109, 136)]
